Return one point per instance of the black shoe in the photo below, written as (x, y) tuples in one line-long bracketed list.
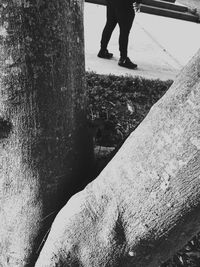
[(105, 54), (127, 63)]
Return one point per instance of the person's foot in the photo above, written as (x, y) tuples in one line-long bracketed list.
[(105, 54), (127, 63)]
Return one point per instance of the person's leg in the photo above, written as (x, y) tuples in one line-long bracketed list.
[(107, 32), (125, 20), (125, 24)]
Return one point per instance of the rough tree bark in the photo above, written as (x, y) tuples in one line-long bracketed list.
[(145, 204), (43, 134)]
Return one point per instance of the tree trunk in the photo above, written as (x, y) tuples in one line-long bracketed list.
[(43, 134), (145, 204)]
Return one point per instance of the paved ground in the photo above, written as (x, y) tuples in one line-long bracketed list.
[(160, 46)]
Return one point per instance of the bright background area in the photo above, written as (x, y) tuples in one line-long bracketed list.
[(160, 46)]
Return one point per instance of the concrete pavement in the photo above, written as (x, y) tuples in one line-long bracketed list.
[(160, 46)]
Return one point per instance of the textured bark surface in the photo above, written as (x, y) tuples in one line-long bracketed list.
[(43, 134), (145, 204)]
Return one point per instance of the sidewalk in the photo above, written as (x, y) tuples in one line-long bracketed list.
[(160, 46)]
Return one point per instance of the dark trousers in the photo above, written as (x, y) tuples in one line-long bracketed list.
[(123, 16)]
